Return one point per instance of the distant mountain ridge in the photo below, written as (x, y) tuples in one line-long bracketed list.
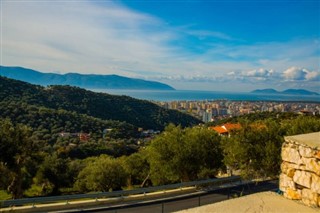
[(288, 91), (81, 80)]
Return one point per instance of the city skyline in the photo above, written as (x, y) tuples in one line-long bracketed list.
[(214, 110), (199, 45)]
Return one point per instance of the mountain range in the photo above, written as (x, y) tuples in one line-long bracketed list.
[(81, 80), (287, 92)]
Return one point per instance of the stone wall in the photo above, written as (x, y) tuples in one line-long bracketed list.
[(300, 168)]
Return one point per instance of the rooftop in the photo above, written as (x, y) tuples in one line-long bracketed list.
[(219, 129), (226, 128)]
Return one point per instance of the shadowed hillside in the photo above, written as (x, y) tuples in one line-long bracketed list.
[(98, 105)]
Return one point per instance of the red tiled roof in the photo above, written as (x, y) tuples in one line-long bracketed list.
[(219, 129), (226, 128), (230, 126)]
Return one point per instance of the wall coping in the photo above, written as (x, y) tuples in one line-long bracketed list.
[(312, 139)]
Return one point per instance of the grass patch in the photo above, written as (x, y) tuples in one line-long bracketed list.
[(33, 191), (4, 195)]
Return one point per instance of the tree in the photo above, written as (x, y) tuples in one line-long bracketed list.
[(17, 149), (184, 154), (205, 146), (53, 174), (101, 174), (302, 125), (255, 149), (136, 167), (5, 176)]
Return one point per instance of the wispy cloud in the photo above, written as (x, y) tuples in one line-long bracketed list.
[(81, 37), (110, 38), (203, 34)]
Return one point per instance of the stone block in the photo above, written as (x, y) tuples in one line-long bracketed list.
[(293, 194), (302, 178), (286, 144), (288, 168), (302, 167), (290, 154), (306, 152), (286, 182), (317, 154), (315, 183), (287, 165), (309, 198), (291, 172), (312, 165)]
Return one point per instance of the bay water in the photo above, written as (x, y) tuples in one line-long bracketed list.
[(194, 95)]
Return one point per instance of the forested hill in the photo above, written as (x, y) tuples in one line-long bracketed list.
[(81, 80), (97, 105)]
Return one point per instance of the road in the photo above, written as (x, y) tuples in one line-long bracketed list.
[(202, 197)]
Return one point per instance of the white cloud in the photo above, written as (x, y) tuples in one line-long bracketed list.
[(202, 34), (297, 74), (109, 38), (81, 36), (260, 73), (281, 55), (233, 73), (313, 76)]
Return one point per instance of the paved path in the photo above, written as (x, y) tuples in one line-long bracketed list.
[(263, 202)]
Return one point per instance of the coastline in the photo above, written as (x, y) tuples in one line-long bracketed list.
[(196, 95)]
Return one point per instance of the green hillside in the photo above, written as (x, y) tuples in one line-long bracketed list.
[(95, 105), (42, 152), (48, 123)]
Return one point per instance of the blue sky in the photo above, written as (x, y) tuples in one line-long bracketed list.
[(201, 45)]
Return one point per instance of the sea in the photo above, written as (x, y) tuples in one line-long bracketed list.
[(194, 95)]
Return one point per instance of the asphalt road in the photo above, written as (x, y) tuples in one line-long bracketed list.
[(202, 197)]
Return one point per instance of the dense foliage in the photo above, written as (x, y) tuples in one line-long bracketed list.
[(98, 105), (255, 149), (184, 155), (101, 174), (176, 155), (48, 123), (18, 157), (253, 117), (36, 160)]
